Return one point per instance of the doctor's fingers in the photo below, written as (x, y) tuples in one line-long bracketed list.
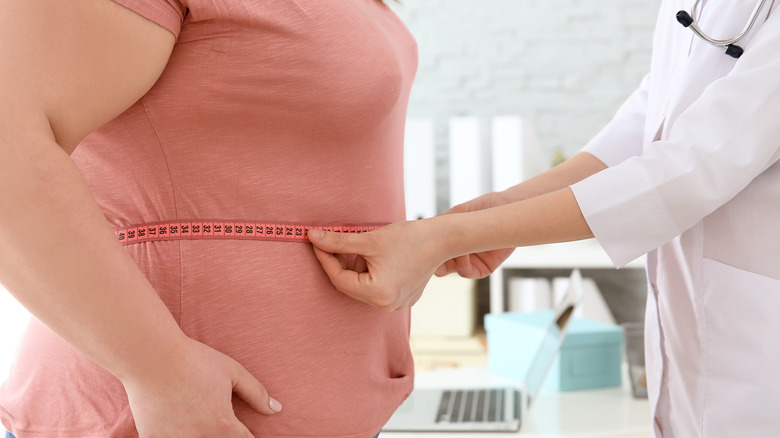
[(461, 265), (342, 243), (476, 265), (469, 266), (361, 286), (446, 268)]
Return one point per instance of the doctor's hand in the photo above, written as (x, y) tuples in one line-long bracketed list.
[(482, 264), (393, 266), (192, 395)]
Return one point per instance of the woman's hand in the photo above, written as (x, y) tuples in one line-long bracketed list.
[(192, 396), (482, 264), (393, 266)]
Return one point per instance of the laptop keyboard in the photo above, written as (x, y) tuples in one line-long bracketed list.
[(471, 406)]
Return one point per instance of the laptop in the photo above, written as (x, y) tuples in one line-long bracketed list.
[(499, 409)]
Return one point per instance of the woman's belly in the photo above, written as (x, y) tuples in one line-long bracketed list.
[(270, 306), (338, 366)]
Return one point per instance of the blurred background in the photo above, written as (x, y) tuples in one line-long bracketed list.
[(561, 66), (564, 66)]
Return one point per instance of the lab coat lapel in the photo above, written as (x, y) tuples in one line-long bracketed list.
[(671, 44), (706, 63)]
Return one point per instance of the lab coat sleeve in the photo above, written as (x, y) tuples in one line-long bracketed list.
[(622, 137), (713, 150)]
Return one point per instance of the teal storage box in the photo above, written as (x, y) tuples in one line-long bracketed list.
[(590, 356)]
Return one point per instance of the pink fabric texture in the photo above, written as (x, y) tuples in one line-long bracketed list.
[(290, 110)]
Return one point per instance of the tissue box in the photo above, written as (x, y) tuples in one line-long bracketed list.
[(590, 356)]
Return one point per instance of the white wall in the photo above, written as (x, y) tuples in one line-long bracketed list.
[(13, 320), (565, 64)]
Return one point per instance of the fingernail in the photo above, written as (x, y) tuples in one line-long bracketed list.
[(274, 404), (317, 234)]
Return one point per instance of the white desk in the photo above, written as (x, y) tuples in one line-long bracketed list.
[(600, 413)]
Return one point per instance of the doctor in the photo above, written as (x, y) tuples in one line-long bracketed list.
[(687, 173)]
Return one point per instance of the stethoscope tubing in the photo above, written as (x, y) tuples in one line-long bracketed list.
[(725, 43)]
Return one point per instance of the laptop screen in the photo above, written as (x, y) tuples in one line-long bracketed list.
[(553, 337)]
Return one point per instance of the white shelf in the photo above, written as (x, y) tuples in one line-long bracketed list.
[(583, 254)]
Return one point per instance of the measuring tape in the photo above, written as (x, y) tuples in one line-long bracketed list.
[(243, 230)]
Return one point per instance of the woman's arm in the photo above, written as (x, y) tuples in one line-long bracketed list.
[(72, 67), (67, 68)]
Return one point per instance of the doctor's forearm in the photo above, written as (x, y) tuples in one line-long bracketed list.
[(549, 218), (575, 169)]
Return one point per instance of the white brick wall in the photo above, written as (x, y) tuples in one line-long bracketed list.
[(565, 64)]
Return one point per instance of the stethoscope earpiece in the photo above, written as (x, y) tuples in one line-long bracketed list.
[(732, 49), (684, 18)]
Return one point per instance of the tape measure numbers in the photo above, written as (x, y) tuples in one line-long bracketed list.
[(242, 230)]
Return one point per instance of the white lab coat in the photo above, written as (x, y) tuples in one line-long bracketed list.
[(694, 181)]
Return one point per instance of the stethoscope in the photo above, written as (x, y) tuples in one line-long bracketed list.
[(732, 49)]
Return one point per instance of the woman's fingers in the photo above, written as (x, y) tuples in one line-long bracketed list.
[(192, 396), (246, 386)]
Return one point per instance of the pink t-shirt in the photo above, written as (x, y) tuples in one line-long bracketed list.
[(284, 110)]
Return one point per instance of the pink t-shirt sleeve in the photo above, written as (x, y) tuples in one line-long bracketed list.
[(167, 13)]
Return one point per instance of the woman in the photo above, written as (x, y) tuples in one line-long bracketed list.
[(686, 172), (176, 112)]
